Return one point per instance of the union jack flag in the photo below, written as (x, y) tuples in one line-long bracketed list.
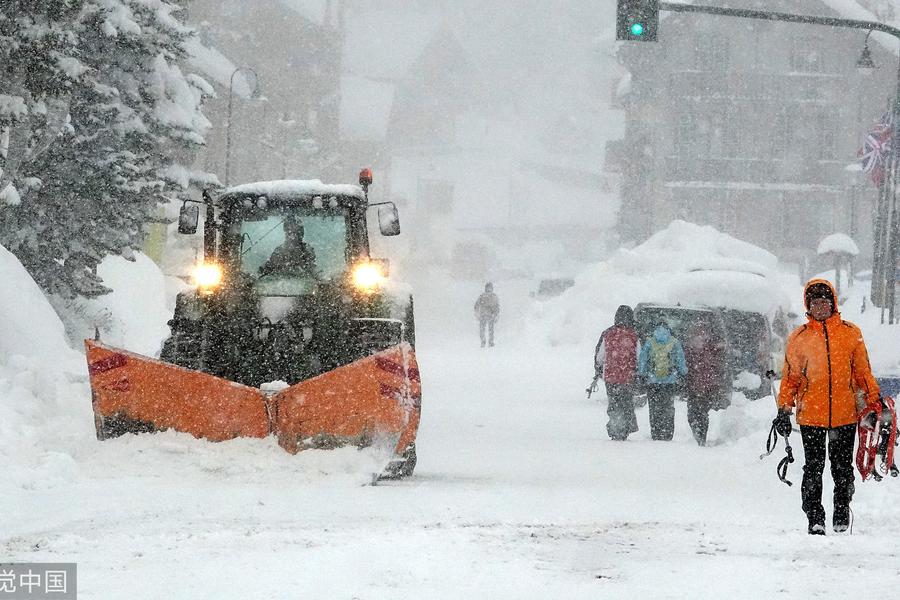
[(876, 148)]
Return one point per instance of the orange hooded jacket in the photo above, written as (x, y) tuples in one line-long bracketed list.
[(825, 365)]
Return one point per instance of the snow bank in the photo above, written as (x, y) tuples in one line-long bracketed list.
[(683, 246), (37, 367), (133, 316), (29, 326), (838, 242), (685, 263), (137, 305)]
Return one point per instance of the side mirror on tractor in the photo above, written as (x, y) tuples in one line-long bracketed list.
[(188, 218), (389, 219)]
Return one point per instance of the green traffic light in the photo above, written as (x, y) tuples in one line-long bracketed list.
[(637, 29)]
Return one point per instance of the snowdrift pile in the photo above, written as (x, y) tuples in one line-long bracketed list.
[(38, 373), (684, 263), (134, 315)]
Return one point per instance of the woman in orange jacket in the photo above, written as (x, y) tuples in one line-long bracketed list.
[(827, 378)]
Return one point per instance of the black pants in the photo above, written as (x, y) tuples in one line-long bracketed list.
[(698, 414), (620, 409), (840, 450), (661, 398), (486, 323)]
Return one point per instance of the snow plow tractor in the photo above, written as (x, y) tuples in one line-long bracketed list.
[(292, 331)]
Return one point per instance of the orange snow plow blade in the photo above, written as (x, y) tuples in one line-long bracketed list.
[(131, 392), (376, 397)]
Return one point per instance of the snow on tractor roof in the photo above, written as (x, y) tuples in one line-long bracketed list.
[(297, 187)]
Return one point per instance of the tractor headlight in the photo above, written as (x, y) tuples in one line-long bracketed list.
[(207, 276), (368, 276)]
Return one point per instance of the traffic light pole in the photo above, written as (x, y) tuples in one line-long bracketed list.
[(887, 220)]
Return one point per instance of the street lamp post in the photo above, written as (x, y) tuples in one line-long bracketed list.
[(254, 92)]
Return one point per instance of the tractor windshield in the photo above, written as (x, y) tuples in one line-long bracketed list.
[(289, 252)]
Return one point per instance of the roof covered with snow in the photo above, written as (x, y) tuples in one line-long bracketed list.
[(838, 243)]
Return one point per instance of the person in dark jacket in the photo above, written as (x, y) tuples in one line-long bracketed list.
[(487, 311), (294, 256), (661, 363), (704, 354), (615, 359)]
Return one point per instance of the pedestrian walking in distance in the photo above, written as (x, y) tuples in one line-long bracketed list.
[(487, 311)]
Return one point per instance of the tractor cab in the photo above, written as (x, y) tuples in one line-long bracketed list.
[(287, 276)]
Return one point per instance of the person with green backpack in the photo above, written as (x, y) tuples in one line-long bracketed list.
[(661, 363)]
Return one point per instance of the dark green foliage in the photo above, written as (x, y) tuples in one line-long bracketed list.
[(92, 179)]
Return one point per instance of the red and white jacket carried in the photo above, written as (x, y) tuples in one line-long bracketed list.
[(617, 353)]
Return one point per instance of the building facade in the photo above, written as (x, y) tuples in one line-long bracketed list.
[(752, 127), (277, 117)]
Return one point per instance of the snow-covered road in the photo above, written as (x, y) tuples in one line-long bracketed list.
[(518, 494)]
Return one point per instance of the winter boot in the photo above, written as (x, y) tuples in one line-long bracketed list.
[(816, 522), (841, 519), (816, 529)]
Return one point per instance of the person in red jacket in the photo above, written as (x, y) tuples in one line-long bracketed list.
[(704, 353), (615, 358), (827, 378)]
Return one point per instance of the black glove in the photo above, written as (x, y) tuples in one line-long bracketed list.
[(598, 371), (782, 423)]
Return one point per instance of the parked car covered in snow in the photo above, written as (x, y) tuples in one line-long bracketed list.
[(747, 299)]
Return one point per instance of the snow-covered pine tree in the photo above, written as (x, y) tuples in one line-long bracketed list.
[(38, 41), (133, 119)]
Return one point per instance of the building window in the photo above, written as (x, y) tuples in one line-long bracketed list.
[(720, 144), (826, 137), (781, 136), (806, 55), (686, 136), (728, 212), (711, 53), (435, 197)]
